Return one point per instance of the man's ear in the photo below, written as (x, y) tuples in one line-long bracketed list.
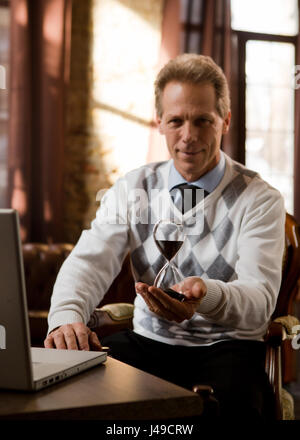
[(226, 123), (159, 124)]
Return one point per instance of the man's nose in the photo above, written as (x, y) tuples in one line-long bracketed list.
[(189, 133)]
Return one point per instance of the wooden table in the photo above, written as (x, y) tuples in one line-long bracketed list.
[(111, 391)]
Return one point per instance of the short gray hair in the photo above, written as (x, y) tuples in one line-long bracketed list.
[(195, 69)]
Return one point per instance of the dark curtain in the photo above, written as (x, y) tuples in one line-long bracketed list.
[(40, 50), (297, 135), (207, 31)]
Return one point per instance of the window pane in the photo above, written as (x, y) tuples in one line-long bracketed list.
[(269, 153), (265, 16), (4, 64), (192, 8), (270, 114), (269, 108), (270, 63), (271, 156), (194, 42)]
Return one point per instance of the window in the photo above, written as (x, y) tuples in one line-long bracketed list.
[(4, 68), (279, 17), (270, 113), (267, 68)]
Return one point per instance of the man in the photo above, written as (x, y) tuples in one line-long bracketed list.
[(230, 260)]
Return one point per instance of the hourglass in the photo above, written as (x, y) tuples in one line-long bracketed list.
[(169, 238)]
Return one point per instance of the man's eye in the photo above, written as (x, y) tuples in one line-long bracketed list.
[(203, 121), (175, 121)]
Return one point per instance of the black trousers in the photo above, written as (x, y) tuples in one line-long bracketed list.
[(234, 368)]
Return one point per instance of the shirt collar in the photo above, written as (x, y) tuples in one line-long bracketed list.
[(208, 181)]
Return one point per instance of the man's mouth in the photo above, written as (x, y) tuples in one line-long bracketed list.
[(190, 153)]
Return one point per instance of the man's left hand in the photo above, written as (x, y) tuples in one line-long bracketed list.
[(169, 308)]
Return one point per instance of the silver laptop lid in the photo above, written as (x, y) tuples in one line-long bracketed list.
[(15, 357)]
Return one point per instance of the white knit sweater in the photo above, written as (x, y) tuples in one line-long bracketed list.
[(234, 242)]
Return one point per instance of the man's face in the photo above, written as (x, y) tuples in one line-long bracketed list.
[(192, 126)]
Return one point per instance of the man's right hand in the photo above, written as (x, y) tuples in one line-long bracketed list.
[(76, 336)]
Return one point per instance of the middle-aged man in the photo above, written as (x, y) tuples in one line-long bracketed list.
[(230, 260)]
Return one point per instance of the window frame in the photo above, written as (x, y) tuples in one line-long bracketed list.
[(242, 38)]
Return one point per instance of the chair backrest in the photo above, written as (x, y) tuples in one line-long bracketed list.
[(122, 289), (290, 270), (41, 264)]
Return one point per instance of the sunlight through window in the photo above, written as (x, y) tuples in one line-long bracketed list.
[(270, 113), (269, 88), (265, 16), (126, 46)]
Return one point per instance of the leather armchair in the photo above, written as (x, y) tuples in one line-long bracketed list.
[(42, 263), (283, 328), (41, 266)]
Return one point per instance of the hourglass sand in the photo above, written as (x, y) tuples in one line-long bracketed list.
[(169, 238)]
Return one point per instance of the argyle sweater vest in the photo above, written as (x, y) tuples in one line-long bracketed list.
[(234, 242)]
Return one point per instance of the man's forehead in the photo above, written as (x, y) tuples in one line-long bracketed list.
[(195, 98), (200, 91), (203, 85), (195, 111)]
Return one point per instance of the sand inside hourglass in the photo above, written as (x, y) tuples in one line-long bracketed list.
[(169, 248)]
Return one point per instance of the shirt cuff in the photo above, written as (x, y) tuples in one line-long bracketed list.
[(212, 299), (63, 317)]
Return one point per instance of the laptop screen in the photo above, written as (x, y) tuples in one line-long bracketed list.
[(15, 357)]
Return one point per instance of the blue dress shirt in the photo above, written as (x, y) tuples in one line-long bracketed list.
[(208, 181)]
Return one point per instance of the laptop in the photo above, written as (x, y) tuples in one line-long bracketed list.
[(23, 367)]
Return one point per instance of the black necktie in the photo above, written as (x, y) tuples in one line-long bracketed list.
[(189, 198)]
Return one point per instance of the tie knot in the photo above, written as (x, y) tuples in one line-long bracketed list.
[(189, 199), (184, 186)]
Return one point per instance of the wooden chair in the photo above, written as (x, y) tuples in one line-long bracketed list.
[(280, 358)]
